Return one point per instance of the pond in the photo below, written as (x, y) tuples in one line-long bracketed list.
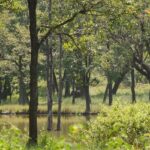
[(22, 122)]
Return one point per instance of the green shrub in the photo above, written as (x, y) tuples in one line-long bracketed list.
[(119, 128), (12, 139), (47, 142)]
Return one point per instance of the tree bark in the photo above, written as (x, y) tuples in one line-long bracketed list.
[(106, 93), (49, 74), (110, 91), (1, 86), (33, 73), (49, 71), (133, 85), (149, 91), (6, 89), (141, 67), (55, 85), (73, 91), (67, 85), (118, 82), (87, 93), (60, 85), (23, 98)]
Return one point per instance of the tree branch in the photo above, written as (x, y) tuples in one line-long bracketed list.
[(73, 40), (52, 29)]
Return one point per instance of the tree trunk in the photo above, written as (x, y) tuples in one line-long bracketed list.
[(33, 73), (87, 93), (55, 85), (118, 82), (1, 86), (60, 85), (6, 90), (49, 71), (73, 91), (23, 98), (110, 91), (142, 67), (67, 86), (49, 75), (149, 90), (105, 94), (133, 85)]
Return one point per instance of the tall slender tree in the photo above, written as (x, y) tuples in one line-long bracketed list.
[(50, 72), (60, 83), (133, 84), (33, 72)]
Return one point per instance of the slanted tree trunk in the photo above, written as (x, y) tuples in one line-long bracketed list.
[(118, 82), (55, 85), (142, 67), (133, 85), (110, 91), (116, 85), (60, 85), (33, 73), (23, 98), (106, 93), (49, 75)]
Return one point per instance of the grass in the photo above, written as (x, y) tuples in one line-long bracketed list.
[(21, 122), (112, 129), (123, 96)]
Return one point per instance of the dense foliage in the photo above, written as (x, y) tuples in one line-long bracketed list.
[(53, 49), (119, 128), (14, 139)]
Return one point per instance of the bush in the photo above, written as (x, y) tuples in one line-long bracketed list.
[(11, 138), (119, 128), (47, 142)]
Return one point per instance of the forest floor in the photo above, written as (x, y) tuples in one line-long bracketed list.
[(72, 123), (123, 96)]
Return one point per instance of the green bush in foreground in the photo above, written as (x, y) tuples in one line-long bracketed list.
[(119, 128), (14, 139), (116, 128)]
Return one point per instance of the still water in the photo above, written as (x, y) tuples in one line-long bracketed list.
[(21, 122)]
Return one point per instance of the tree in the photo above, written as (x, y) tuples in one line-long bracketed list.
[(35, 45), (33, 72), (60, 83), (50, 77), (133, 84), (14, 42)]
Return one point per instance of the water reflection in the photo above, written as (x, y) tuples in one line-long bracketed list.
[(22, 122)]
